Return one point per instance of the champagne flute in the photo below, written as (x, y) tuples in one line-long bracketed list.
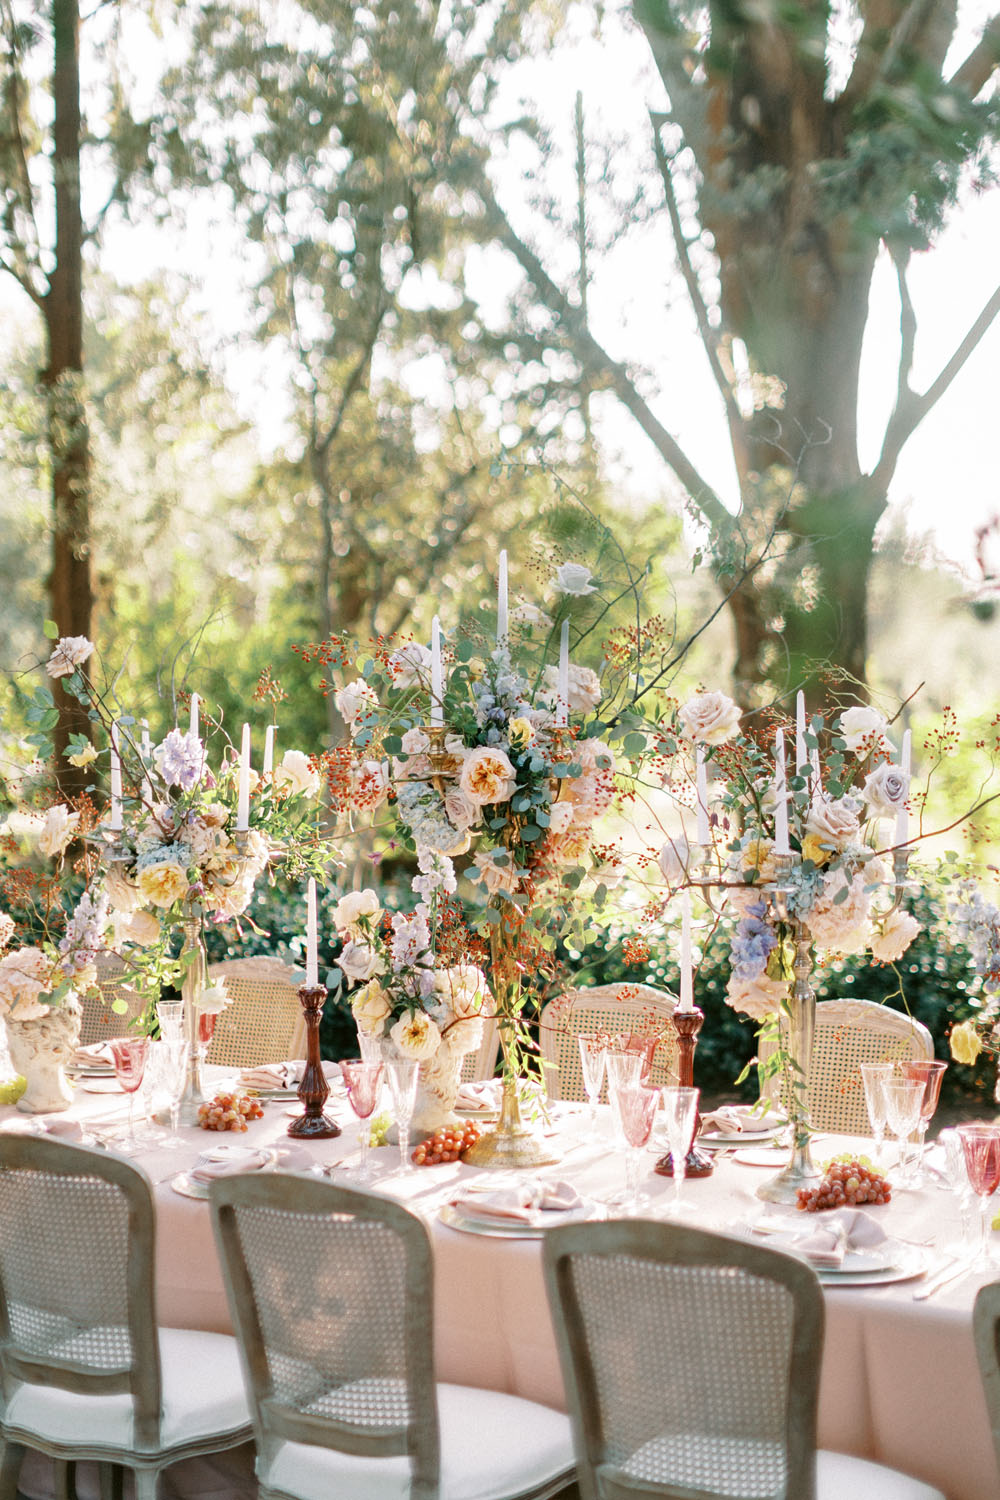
[(903, 1098), (130, 1054), (170, 1019), (593, 1060), (930, 1075), (624, 1071), (981, 1147), (637, 1105), (173, 1055), (362, 1080), (402, 1074), (680, 1108), (874, 1076)]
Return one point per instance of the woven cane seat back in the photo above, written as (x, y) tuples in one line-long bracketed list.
[(482, 1063), (264, 1021), (619, 1010), (98, 1019), (849, 1033), (686, 1360)]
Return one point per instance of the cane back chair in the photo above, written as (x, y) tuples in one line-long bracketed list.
[(986, 1327), (98, 1020), (618, 1009), (264, 1021)]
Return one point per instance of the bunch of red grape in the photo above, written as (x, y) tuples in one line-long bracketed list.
[(229, 1112), (450, 1143), (846, 1184)]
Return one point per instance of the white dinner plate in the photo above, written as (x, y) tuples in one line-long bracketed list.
[(545, 1218), (741, 1138), (910, 1263), (100, 1083), (763, 1156), (189, 1187)]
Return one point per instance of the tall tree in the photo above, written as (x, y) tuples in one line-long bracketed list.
[(57, 293)]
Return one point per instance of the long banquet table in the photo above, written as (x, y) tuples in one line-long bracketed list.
[(899, 1379)]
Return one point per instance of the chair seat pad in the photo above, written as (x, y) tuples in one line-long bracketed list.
[(492, 1446), (203, 1396), (837, 1475)]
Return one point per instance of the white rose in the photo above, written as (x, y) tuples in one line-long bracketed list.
[(370, 1008), (572, 578), (584, 687), (756, 997), (58, 829), (462, 813), (360, 961), (123, 893), (298, 774), (487, 776), (370, 783), (886, 790), (709, 718), (897, 933), (213, 999), (416, 1036), (416, 742), (455, 745), (143, 928), (834, 820), (496, 877), (464, 1035), (561, 815), (673, 859), (463, 989), (354, 905), (355, 700), (862, 727), (530, 614), (70, 652), (410, 665)]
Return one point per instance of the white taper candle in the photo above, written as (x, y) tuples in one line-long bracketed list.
[(801, 758), (437, 676), (903, 816), (268, 765), (687, 977), (562, 690), (502, 626), (701, 793), (195, 700), (243, 793), (312, 963), (116, 782), (781, 844)]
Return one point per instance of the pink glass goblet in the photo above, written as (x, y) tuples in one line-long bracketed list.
[(130, 1054), (981, 1147), (637, 1106), (930, 1075), (362, 1081)]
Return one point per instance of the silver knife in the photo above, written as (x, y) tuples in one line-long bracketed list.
[(943, 1278)]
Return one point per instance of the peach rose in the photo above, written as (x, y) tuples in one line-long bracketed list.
[(487, 776)]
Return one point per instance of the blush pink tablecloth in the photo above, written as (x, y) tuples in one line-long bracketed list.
[(900, 1382)]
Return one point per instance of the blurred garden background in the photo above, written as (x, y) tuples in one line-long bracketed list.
[(309, 308)]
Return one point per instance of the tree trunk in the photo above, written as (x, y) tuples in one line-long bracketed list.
[(70, 588)]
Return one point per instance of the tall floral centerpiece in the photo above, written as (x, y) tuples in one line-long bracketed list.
[(807, 840), (489, 754)]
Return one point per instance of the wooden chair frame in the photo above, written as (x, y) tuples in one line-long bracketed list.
[(677, 1245)]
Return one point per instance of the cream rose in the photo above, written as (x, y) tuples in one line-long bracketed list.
[(673, 859), (360, 961), (709, 719), (886, 790), (163, 882), (839, 924), (572, 578), (356, 904), (496, 877), (410, 665), (487, 776), (862, 727), (757, 997), (370, 1007), (965, 1043), (896, 934), (142, 928), (25, 976), (416, 742), (834, 820), (123, 893), (356, 700), (463, 989), (84, 757), (416, 1036), (584, 687), (58, 829), (70, 652), (531, 615), (561, 815), (298, 774), (462, 813), (463, 1035)]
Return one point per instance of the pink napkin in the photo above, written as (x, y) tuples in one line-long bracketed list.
[(94, 1055), (283, 1075), (841, 1231), (207, 1171), (294, 1158), (479, 1096), (738, 1119), (519, 1204), (64, 1130)]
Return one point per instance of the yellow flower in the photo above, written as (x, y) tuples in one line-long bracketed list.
[(520, 732), (758, 855), (84, 757), (163, 884), (812, 848), (965, 1043)]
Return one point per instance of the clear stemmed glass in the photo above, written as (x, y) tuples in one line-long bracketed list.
[(981, 1147), (401, 1074), (930, 1075), (362, 1079), (903, 1099), (680, 1109), (958, 1181), (130, 1054), (173, 1056), (593, 1057), (637, 1105), (170, 1018), (624, 1071), (874, 1076)]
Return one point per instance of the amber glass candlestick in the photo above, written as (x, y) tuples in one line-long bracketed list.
[(314, 1089), (687, 1024)]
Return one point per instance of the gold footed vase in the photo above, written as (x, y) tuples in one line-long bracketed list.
[(511, 1142)]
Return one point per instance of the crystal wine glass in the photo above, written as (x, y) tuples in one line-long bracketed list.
[(981, 1147), (130, 1054), (958, 1181), (170, 1018), (930, 1075), (624, 1071), (593, 1057), (402, 1074), (903, 1099), (637, 1105), (362, 1080), (173, 1056), (680, 1108), (874, 1075)]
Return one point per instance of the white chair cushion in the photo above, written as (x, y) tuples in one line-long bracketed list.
[(839, 1475), (203, 1396), (492, 1446)]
